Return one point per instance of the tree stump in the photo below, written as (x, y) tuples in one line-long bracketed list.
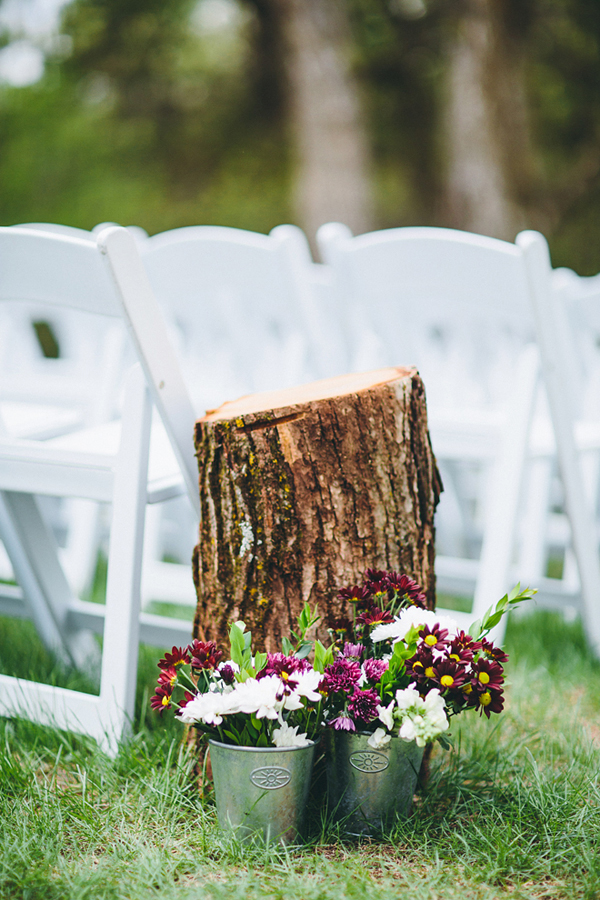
[(303, 489)]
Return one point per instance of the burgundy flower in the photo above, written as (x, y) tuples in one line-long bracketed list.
[(363, 705), (162, 698), (449, 674), (284, 667), (494, 652), (168, 676), (279, 664), (186, 699), (466, 641), (462, 649), (204, 655), (434, 638), (421, 665), (374, 669), (177, 657), (353, 651), (486, 702), (354, 594), (376, 581), (342, 626), (375, 616), (340, 676), (342, 723), (227, 673), (375, 575), (407, 588), (486, 675)]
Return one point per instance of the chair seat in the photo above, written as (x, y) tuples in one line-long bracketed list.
[(37, 421), (81, 464)]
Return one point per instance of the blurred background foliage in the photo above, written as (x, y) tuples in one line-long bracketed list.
[(480, 114)]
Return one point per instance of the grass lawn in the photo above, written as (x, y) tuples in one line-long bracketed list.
[(513, 810)]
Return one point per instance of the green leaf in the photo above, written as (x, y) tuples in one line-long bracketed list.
[(411, 636), (475, 629), (304, 618), (323, 657), (494, 614), (262, 740), (319, 661), (303, 650), (238, 645), (287, 646), (260, 661)]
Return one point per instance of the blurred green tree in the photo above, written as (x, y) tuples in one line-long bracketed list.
[(472, 113)]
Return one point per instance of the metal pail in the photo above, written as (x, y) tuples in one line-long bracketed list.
[(262, 790), (367, 789)]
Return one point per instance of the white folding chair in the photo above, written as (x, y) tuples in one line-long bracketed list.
[(568, 328), (108, 463), (458, 306), (244, 316), (42, 397)]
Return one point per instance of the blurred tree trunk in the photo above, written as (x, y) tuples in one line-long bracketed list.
[(330, 137), (491, 175)]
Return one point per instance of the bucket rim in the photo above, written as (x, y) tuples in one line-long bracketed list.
[(212, 742)]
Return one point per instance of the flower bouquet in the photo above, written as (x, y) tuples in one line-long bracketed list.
[(395, 675), (260, 714)]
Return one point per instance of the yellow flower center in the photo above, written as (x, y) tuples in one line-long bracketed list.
[(431, 640), (284, 676), (455, 656), (485, 699), (447, 680), (165, 701), (417, 663), (484, 678), (468, 687), (429, 671)]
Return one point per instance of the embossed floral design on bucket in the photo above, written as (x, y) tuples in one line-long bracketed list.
[(262, 790), (367, 789)]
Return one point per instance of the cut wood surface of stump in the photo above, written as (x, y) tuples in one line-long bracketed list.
[(303, 489)]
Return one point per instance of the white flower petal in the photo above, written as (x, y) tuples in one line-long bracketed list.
[(379, 739), (285, 736)]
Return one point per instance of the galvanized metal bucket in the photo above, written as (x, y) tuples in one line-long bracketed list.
[(262, 791), (367, 789)]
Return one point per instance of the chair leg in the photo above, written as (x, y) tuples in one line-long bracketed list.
[(122, 626), (33, 552), (501, 518)]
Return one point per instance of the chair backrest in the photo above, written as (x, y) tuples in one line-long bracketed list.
[(239, 304), (579, 305), (57, 270), (54, 276), (150, 336), (455, 304)]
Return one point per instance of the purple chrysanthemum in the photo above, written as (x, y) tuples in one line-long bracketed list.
[(227, 673), (352, 651), (279, 664), (342, 723), (374, 669), (363, 705), (341, 675)]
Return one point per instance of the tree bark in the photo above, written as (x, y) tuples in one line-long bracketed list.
[(332, 146), (301, 490), (490, 161)]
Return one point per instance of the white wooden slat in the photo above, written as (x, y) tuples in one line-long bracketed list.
[(555, 350), (147, 330)]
